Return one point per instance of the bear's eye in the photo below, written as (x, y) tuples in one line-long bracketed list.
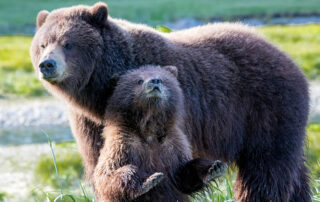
[(43, 46), (140, 81), (67, 46)]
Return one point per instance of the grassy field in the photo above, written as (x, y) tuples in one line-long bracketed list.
[(70, 176), (16, 14), (18, 79)]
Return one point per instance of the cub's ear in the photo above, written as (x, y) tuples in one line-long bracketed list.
[(114, 80), (41, 18), (99, 12), (172, 69)]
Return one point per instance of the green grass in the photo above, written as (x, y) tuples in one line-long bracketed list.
[(18, 79), (301, 43), (15, 14), (222, 191), (66, 166), (16, 72), (48, 188), (63, 171), (67, 160), (70, 165), (3, 195), (313, 149)]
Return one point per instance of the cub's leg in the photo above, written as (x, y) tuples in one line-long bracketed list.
[(197, 173), (124, 184)]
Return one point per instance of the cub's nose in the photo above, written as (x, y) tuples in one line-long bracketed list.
[(155, 81), (154, 84), (47, 64)]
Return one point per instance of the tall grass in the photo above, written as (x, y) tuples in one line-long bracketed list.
[(62, 195), (316, 191), (217, 192), (221, 191)]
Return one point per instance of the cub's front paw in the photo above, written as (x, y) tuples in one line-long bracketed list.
[(217, 169), (150, 183)]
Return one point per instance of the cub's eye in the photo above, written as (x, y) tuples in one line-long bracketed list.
[(140, 81), (43, 46), (67, 46)]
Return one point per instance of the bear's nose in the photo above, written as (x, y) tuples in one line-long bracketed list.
[(154, 84), (155, 81), (47, 64), (48, 68)]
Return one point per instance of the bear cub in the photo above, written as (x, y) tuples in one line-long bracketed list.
[(145, 152)]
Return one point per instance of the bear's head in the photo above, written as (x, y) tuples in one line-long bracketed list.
[(68, 43), (147, 89), (75, 51)]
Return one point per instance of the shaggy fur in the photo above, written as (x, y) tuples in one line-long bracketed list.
[(245, 101), (142, 136)]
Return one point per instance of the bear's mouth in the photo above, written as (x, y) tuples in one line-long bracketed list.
[(155, 92), (156, 89), (53, 77)]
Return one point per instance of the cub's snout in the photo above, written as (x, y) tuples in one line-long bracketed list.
[(154, 84)]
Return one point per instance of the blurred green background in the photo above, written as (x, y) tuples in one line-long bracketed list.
[(290, 24)]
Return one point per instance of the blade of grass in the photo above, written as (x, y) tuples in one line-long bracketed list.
[(84, 192), (61, 196), (229, 187), (54, 162)]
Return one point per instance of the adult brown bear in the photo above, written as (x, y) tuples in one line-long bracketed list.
[(246, 102)]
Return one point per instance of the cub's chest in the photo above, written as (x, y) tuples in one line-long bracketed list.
[(152, 135)]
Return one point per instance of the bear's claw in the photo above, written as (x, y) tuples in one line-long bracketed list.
[(150, 182), (216, 170)]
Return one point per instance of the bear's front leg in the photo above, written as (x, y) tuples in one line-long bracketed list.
[(197, 173), (89, 140), (124, 184)]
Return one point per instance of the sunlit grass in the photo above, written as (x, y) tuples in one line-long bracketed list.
[(218, 192), (313, 149), (16, 72), (69, 164), (20, 83), (301, 43), (14, 53), (64, 171)]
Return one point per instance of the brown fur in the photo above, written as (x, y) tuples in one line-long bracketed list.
[(142, 136), (245, 101), (144, 142)]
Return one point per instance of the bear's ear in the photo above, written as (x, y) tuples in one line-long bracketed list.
[(114, 80), (41, 18), (172, 69), (99, 12)]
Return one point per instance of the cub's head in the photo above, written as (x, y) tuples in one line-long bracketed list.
[(68, 44), (148, 88)]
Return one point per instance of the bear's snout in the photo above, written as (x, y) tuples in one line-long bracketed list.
[(48, 68), (154, 84), (52, 65)]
